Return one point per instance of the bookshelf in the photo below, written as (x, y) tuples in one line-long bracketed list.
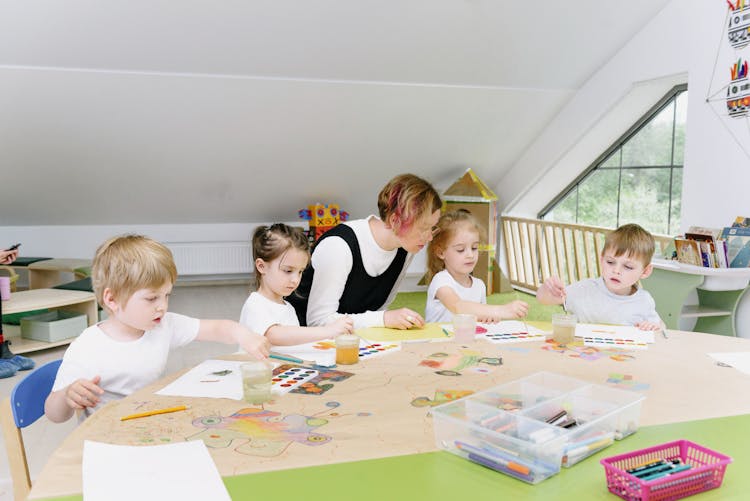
[(719, 291)]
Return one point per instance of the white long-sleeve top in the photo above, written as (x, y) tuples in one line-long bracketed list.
[(332, 262)]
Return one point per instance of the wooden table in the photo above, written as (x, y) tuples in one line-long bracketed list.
[(371, 425), (43, 274), (40, 299)]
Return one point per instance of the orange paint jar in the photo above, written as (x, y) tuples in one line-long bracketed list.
[(347, 349)]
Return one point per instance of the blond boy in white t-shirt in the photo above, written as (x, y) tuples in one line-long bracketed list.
[(132, 277)]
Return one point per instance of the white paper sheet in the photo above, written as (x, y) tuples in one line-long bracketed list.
[(181, 470), (740, 361), (308, 351), (200, 381), (614, 332)]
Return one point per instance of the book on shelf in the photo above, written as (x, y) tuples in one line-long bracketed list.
[(741, 222), (738, 246), (712, 253), (688, 251)]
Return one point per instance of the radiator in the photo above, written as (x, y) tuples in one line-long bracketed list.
[(212, 258)]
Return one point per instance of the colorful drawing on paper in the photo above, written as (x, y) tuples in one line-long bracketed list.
[(577, 349), (448, 364), (321, 383), (626, 382), (258, 432), (441, 397)]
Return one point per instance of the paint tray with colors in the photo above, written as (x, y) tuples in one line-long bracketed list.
[(288, 377), (531, 427)]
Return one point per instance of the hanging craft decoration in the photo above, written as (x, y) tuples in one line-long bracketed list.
[(738, 28)]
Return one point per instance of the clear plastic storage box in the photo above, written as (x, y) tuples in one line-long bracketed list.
[(530, 427)]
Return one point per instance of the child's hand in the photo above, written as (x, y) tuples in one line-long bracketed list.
[(83, 393), (648, 326), (555, 287), (256, 345), (403, 318), (514, 309), (342, 325)]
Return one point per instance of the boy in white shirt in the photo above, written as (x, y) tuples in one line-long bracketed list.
[(614, 297), (132, 277)]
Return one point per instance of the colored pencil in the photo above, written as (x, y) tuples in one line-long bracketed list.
[(154, 412)]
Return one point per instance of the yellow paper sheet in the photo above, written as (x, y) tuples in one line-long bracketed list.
[(429, 331)]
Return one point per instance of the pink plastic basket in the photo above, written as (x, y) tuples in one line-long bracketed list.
[(707, 472)]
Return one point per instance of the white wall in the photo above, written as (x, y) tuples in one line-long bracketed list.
[(82, 241), (683, 43), (614, 98)]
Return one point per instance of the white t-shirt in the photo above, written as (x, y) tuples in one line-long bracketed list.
[(332, 261), (124, 366), (593, 303), (259, 313), (435, 311)]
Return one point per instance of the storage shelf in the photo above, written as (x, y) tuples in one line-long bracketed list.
[(692, 311), (20, 345)]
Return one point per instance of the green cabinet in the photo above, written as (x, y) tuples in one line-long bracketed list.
[(719, 291)]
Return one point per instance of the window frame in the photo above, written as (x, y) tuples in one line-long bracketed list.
[(665, 101)]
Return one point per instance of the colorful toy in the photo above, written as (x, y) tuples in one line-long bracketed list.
[(322, 217)]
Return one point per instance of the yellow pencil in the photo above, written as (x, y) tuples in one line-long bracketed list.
[(154, 412)]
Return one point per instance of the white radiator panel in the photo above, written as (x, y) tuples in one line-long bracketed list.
[(212, 258)]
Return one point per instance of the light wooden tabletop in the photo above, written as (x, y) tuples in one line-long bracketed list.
[(375, 413)]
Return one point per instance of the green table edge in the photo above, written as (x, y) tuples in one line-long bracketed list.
[(440, 475)]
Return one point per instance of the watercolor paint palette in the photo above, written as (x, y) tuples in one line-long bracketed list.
[(510, 331), (371, 350), (288, 377), (626, 344)]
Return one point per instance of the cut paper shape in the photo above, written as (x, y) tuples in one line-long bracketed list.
[(511, 331), (259, 432), (448, 364), (577, 349), (626, 382), (441, 397)]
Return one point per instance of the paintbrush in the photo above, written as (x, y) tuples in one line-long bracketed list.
[(297, 360)]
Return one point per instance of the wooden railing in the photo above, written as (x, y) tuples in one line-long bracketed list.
[(536, 249)]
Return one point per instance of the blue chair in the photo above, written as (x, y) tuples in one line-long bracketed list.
[(23, 408)]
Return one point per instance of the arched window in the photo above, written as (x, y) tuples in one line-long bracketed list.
[(637, 180)]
